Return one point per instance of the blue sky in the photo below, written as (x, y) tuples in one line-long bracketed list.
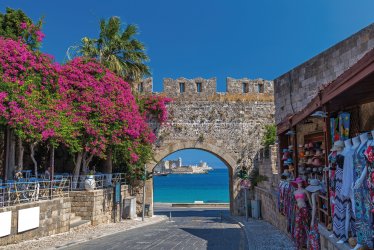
[(208, 38), (241, 38)]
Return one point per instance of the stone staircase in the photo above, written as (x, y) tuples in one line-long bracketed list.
[(76, 222)]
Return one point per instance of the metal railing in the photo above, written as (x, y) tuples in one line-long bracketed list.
[(22, 191), (96, 181), (32, 189)]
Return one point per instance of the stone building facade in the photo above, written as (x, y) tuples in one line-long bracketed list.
[(296, 88), (229, 125)]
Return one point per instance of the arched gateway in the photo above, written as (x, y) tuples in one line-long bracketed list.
[(229, 125)]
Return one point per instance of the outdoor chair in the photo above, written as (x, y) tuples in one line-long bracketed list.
[(44, 187), (99, 179), (13, 194), (2, 195), (33, 189), (58, 187)]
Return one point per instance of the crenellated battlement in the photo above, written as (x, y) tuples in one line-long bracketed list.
[(183, 87)]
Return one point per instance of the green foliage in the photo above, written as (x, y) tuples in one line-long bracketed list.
[(10, 27), (243, 174), (118, 50), (122, 161), (270, 135), (256, 178)]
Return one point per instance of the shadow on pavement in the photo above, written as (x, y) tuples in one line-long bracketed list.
[(220, 238)]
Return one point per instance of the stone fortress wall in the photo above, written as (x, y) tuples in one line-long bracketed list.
[(228, 124), (172, 87)]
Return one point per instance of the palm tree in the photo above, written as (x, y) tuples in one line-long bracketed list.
[(118, 50)]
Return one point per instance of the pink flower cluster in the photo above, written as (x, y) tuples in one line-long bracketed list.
[(27, 78), (31, 29), (80, 103), (157, 106), (103, 103)]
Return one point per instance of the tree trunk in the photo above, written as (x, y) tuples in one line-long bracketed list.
[(108, 164), (21, 150), (78, 163), (86, 159), (32, 155), (10, 153), (52, 161)]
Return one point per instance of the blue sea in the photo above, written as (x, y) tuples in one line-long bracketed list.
[(179, 188)]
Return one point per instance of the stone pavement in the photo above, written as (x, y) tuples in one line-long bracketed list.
[(190, 228), (263, 235), (84, 234)]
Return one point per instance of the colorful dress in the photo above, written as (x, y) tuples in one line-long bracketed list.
[(314, 242), (301, 227), (332, 162), (362, 201), (342, 203), (369, 153)]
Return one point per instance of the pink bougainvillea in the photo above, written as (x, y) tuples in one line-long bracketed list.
[(29, 81), (156, 107), (102, 104)]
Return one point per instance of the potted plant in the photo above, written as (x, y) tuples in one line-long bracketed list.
[(89, 183)]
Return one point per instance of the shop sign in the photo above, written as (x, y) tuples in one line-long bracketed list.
[(117, 193)]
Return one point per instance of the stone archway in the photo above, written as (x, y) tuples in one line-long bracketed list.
[(230, 125), (226, 158)]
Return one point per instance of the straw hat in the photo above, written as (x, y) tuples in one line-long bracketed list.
[(316, 162), (338, 146), (297, 181), (314, 186), (318, 152)]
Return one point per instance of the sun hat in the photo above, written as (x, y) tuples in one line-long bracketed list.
[(316, 162), (302, 161), (314, 186), (285, 150), (297, 181), (338, 145), (288, 161), (318, 152), (310, 161)]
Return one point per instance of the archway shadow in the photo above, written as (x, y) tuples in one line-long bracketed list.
[(220, 238)]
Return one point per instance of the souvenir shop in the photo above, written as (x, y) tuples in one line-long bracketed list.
[(326, 157)]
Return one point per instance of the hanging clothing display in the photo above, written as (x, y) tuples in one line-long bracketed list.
[(342, 203), (362, 200), (334, 129), (369, 153), (301, 227), (332, 167), (344, 123), (314, 242)]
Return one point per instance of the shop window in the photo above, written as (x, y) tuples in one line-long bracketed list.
[(181, 87), (140, 87), (260, 88), (245, 87), (198, 87)]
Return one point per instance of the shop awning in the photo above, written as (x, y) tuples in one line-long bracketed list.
[(355, 86)]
